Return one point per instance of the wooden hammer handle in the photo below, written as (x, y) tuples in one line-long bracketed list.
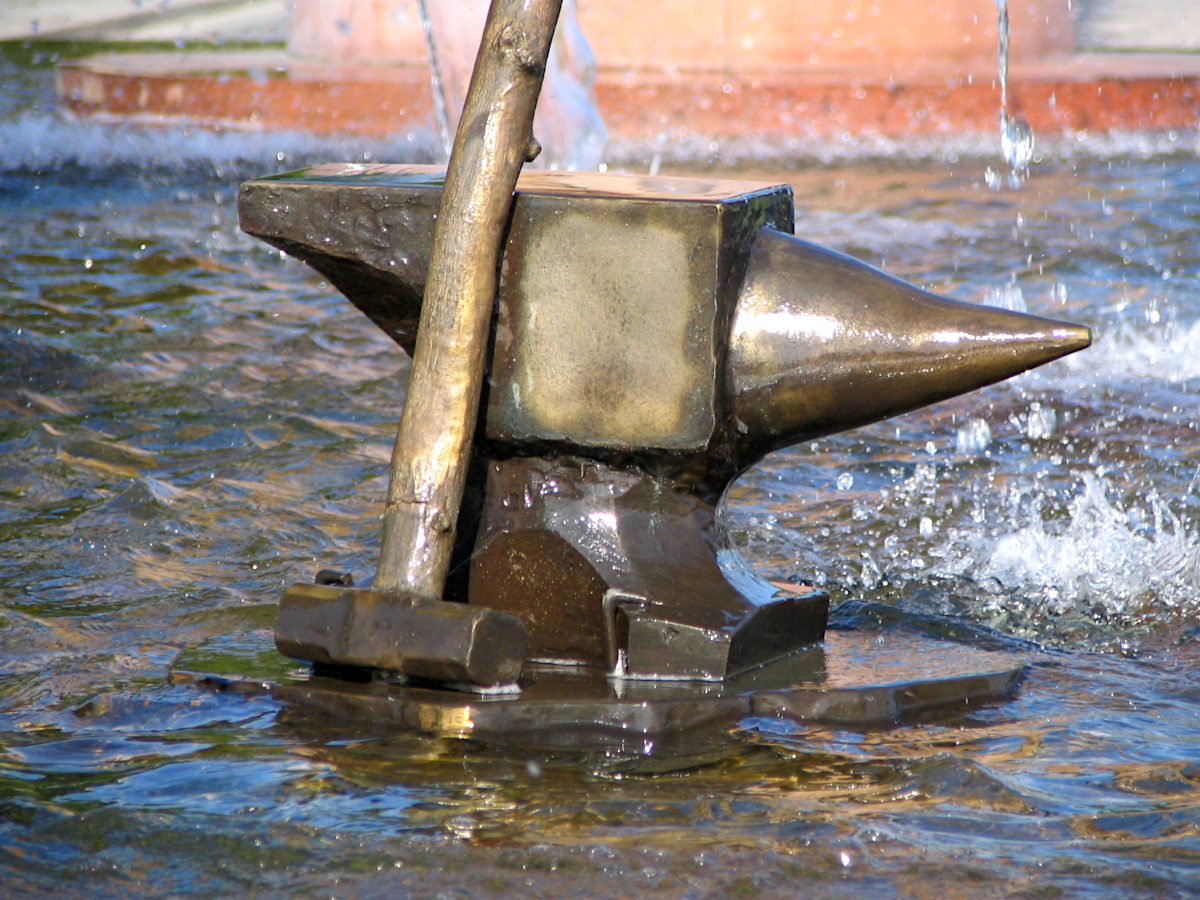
[(433, 446)]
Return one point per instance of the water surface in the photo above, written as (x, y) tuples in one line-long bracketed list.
[(188, 422)]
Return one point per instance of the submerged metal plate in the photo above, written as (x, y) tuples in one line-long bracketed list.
[(865, 677)]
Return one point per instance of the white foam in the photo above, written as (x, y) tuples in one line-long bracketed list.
[(1104, 555), (1169, 352), (41, 139), (1166, 354), (37, 141)]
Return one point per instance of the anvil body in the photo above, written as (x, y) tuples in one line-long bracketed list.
[(653, 338)]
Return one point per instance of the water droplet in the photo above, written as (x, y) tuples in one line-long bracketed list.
[(973, 437), (845, 481), (1008, 296), (1041, 422), (1017, 144)]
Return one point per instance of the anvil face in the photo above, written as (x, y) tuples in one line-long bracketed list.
[(614, 310), (616, 293), (654, 337)]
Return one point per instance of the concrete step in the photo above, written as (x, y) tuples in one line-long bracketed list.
[(256, 21)]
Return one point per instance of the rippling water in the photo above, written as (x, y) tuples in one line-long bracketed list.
[(189, 422)]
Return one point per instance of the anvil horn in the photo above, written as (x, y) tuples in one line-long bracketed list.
[(823, 343)]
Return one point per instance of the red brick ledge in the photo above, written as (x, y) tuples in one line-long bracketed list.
[(1099, 93)]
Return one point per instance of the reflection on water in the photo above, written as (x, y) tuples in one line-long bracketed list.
[(188, 422)]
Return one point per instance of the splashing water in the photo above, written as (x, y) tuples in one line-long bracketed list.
[(1099, 571), (1061, 506), (439, 48), (1008, 296), (1105, 555)]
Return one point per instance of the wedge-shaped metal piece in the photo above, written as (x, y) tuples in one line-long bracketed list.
[(619, 570)]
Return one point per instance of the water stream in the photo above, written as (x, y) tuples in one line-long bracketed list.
[(1016, 137), (188, 422), (568, 124)]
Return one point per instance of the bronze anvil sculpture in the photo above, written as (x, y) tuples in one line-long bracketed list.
[(653, 338)]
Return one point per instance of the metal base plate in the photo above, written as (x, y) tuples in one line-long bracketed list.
[(859, 677)]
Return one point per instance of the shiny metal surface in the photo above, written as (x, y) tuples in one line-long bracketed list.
[(369, 232), (865, 677), (618, 569), (433, 445), (615, 297), (824, 343), (654, 339), (613, 313), (396, 632)]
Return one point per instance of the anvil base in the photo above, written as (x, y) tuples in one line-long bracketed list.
[(860, 677)]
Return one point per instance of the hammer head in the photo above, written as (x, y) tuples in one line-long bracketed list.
[(397, 632)]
